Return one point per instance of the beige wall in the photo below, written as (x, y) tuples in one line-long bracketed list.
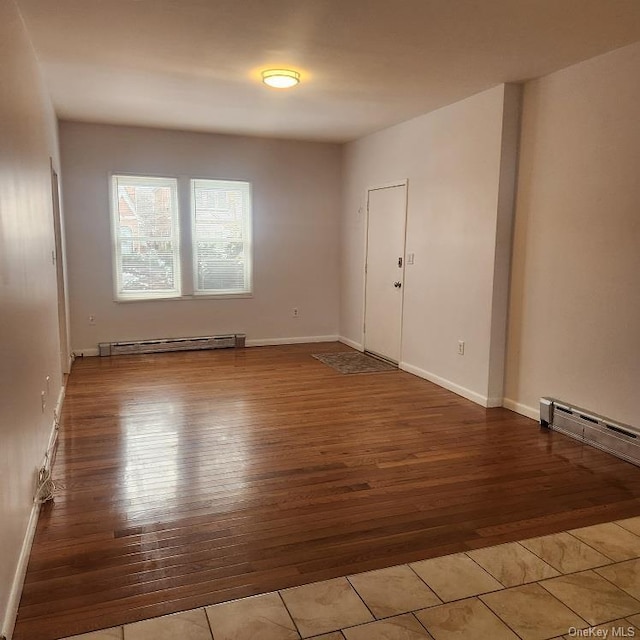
[(28, 303), (459, 162), (575, 298), (296, 201)]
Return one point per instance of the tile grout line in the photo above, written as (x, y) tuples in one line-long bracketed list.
[(565, 573), (615, 522), (375, 619), (504, 586), (384, 618), (295, 624), (616, 585), (561, 573), (415, 573), (562, 603), (519, 543), (495, 613), (206, 614), (625, 528), (475, 595), (626, 619), (442, 603), (588, 623), (422, 624), (587, 543), (504, 622), (415, 617), (361, 598), (485, 569)]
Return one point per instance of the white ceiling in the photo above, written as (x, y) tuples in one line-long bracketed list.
[(366, 64)]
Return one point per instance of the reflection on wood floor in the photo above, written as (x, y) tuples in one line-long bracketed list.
[(187, 479)]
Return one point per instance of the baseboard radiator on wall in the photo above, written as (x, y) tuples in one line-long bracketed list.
[(234, 340), (617, 438)]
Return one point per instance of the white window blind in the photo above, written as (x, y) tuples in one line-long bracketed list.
[(221, 236), (146, 237)]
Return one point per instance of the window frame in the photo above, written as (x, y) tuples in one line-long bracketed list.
[(186, 280), (247, 240), (116, 252)]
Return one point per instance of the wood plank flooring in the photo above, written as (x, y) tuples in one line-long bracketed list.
[(187, 479)]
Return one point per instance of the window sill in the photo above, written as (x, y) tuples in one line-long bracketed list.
[(221, 296)]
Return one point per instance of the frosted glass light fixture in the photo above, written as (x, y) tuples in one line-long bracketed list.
[(280, 78)]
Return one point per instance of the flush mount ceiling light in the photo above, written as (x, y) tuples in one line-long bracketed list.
[(280, 78)]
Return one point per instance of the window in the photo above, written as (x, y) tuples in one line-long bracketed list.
[(159, 252), (220, 232), (145, 234)]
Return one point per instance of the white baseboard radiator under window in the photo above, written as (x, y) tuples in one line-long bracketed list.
[(234, 340), (617, 438)]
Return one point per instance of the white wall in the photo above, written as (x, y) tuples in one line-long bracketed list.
[(29, 344), (575, 298), (296, 202), (460, 163)]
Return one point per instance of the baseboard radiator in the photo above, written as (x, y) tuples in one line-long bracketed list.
[(622, 440), (234, 340)]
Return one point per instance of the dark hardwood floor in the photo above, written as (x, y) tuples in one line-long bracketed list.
[(187, 479)]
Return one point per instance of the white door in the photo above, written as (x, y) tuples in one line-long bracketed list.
[(385, 271)]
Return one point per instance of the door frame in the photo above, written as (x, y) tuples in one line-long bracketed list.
[(59, 263), (404, 182)]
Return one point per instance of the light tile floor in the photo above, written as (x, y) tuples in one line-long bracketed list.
[(557, 586)]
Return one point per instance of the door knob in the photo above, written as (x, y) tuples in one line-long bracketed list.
[(397, 285)]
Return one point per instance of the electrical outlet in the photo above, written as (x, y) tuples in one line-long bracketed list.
[(295, 312), (92, 319), (43, 400), (460, 347)]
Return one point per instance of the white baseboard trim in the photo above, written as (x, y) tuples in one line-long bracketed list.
[(494, 402), (351, 343), (15, 593), (9, 622), (447, 384), (522, 409), (273, 342), (53, 436), (61, 395), (90, 352)]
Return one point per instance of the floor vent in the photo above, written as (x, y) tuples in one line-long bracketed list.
[(617, 438), (236, 340)]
